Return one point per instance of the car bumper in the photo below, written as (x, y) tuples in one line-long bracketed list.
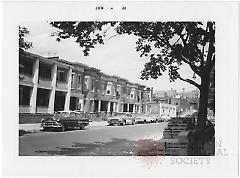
[(51, 125), (114, 122), (139, 121), (84, 123)]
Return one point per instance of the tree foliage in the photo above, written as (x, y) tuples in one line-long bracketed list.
[(23, 45), (168, 45)]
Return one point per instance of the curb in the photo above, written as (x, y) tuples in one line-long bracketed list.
[(36, 127)]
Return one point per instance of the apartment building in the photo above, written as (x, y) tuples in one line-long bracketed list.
[(164, 109), (51, 84)]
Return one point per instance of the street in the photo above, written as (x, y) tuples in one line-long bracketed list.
[(139, 139)]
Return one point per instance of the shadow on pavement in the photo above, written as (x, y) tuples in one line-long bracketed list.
[(116, 147)]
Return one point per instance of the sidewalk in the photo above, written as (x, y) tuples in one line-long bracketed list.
[(36, 126)]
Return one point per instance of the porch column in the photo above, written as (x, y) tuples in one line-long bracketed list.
[(81, 104), (93, 104), (134, 106), (67, 99), (139, 109), (117, 109), (33, 100), (128, 107), (114, 106), (109, 104), (52, 94), (99, 105)]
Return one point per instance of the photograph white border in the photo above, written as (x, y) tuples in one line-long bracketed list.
[(226, 16)]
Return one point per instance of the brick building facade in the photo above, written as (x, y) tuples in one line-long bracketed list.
[(51, 84)]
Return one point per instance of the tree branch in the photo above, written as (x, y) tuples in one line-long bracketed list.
[(192, 66), (190, 81), (177, 40), (183, 40)]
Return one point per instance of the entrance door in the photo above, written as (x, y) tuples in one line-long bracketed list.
[(59, 101)]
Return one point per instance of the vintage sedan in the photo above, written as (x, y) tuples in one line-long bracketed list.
[(64, 120), (124, 119), (165, 117), (145, 118)]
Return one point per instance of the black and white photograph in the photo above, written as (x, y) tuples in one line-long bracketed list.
[(120, 88), (117, 88)]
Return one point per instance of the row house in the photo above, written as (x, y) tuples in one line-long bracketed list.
[(51, 84), (44, 84)]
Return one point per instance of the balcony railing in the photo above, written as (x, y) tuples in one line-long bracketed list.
[(24, 109), (47, 82), (42, 109), (61, 85), (25, 77)]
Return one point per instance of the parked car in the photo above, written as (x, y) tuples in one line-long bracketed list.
[(145, 118), (165, 118), (64, 120), (158, 119), (124, 119), (140, 119)]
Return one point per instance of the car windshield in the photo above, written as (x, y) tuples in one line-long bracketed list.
[(64, 114)]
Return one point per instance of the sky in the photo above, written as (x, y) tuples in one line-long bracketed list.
[(117, 56)]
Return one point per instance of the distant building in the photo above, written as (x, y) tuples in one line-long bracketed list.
[(182, 100), (163, 109), (191, 94), (169, 93)]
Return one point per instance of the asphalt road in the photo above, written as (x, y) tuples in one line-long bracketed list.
[(139, 139)]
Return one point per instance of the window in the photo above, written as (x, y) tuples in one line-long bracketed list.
[(86, 81), (26, 66), (132, 94), (139, 94), (118, 90), (24, 95), (114, 90), (92, 87), (61, 75), (45, 71), (43, 97), (109, 88), (79, 84), (72, 80)]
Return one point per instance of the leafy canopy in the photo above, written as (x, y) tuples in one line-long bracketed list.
[(167, 44), (23, 45)]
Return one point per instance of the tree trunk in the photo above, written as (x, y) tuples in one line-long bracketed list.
[(203, 102)]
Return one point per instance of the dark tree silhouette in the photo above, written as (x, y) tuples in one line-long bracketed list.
[(23, 45), (167, 44)]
